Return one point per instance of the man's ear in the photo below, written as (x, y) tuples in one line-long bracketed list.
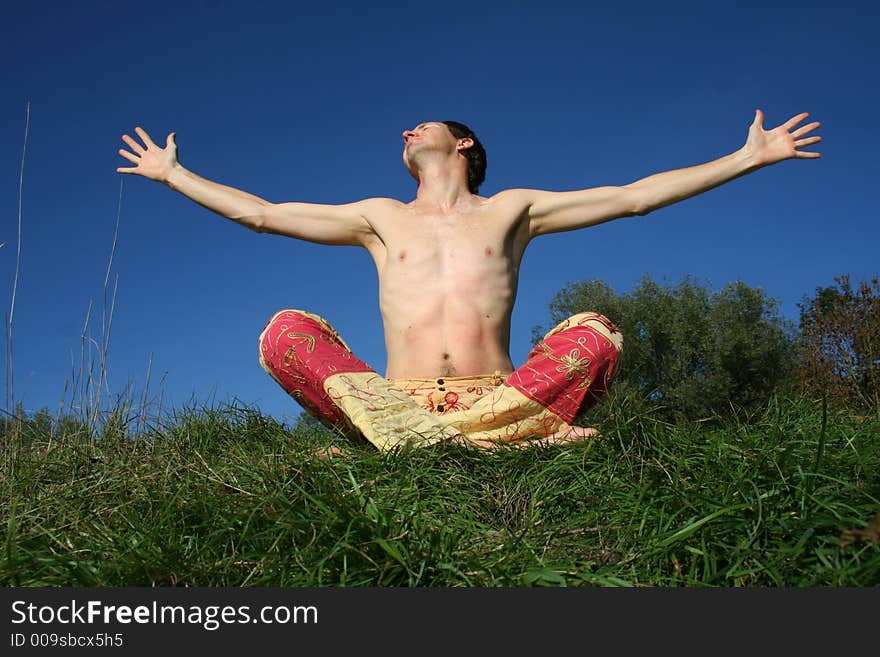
[(464, 143)]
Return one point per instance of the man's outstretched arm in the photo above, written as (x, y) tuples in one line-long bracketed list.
[(325, 224), (551, 212)]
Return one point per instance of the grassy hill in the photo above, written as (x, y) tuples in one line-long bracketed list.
[(227, 497)]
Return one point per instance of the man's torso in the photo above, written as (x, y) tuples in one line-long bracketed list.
[(447, 284)]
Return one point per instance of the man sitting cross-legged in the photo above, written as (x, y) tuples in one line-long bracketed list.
[(448, 263)]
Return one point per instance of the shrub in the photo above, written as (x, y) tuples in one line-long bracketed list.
[(691, 352)]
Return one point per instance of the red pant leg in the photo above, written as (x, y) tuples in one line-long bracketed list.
[(300, 351), (571, 367), (566, 372)]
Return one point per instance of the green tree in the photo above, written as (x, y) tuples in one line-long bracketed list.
[(691, 353)]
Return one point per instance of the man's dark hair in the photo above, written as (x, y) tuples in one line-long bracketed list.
[(476, 155)]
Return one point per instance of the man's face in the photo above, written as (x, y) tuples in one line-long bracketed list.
[(432, 135), (428, 129)]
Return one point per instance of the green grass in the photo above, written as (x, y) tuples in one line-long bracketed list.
[(226, 497)]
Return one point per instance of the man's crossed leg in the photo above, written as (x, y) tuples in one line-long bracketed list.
[(566, 372)]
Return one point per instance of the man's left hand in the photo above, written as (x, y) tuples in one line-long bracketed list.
[(770, 146)]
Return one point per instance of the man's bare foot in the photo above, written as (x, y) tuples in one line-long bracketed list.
[(327, 453), (572, 435)]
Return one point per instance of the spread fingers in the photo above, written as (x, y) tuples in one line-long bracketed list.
[(143, 135), (128, 156), (792, 122), (800, 132), (136, 147)]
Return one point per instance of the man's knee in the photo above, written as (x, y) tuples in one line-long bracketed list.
[(299, 321), (279, 325), (290, 327), (597, 323), (292, 318)]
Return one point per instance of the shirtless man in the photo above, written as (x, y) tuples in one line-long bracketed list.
[(449, 372)]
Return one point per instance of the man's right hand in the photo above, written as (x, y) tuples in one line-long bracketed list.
[(150, 161)]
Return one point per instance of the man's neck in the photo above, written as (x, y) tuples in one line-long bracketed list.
[(442, 188)]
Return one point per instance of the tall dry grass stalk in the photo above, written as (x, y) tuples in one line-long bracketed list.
[(106, 321), (93, 400), (10, 375), (90, 383)]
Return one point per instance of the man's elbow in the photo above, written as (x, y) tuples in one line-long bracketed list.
[(260, 222), (637, 204), (255, 224)]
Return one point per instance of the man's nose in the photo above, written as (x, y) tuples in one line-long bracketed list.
[(407, 134)]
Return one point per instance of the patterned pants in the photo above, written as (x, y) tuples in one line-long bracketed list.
[(566, 372)]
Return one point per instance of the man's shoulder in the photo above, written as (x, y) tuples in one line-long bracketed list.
[(381, 200), (378, 204), (515, 196)]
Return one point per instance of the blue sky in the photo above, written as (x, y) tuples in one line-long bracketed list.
[(297, 102)]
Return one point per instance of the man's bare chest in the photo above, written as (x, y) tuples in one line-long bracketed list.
[(449, 241)]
